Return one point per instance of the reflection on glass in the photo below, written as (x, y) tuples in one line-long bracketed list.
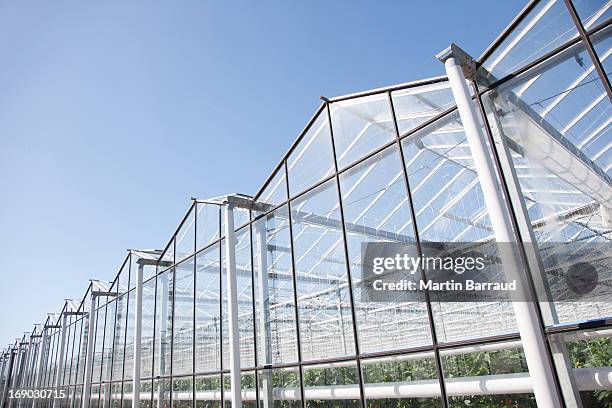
[(312, 159), (547, 26), (360, 125), (416, 105)]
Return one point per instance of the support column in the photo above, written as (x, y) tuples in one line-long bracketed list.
[(89, 353), (137, 340), (163, 280), (533, 341), (263, 306), (60, 360), (232, 302), (40, 363), (7, 383)]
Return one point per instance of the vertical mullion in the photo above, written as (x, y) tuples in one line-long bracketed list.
[(589, 46), (221, 377), (294, 281), (173, 309), (347, 261), (255, 362), (430, 316), (193, 339)]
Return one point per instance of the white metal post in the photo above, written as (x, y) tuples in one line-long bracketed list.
[(137, 340), (60, 359), (89, 354), (263, 306), (525, 312), (232, 301), (40, 363)]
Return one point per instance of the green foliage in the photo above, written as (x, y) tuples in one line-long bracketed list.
[(593, 353)]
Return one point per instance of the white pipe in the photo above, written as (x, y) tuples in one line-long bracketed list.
[(137, 338), (89, 355), (542, 374), (588, 379), (232, 303)]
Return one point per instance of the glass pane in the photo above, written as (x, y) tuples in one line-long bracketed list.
[(546, 27), (118, 348), (470, 371), (376, 209), (312, 159), (161, 392), (128, 370), (182, 392), (163, 324), (602, 43), (555, 120), (107, 353), (280, 387), (146, 394), (361, 125), (402, 381), (208, 391), (182, 346), (148, 335), (276, 190), (275, 307), (593, 12), (326, 326), (185, 238), (208, 216), (414, 106), (322, 381), (208, 309)]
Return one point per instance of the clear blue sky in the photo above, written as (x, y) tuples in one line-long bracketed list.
[(113, 114)]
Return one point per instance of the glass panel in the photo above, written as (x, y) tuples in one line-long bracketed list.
[(208, 391), (163, 324), (546, 27), (326, 326), (182, 392), (376, 209), (182, 346), (471, 370), (280, 388), (402, 381), (127, 394), (414, 106), (107, 353), (361, 125), (449, 206), (593, 12), (312, 159), (208, 221), (276, 190), (322, 381), (245, 297), (115, 396), (128, 370), (98, 341), (275, 307), (208, 324), (185, 238), (148, 335), (119, 339), (555, 121), (582, 357)]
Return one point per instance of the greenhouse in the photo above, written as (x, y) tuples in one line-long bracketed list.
[(257, 300)]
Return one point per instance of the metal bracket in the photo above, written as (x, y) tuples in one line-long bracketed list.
[(468, 65)]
